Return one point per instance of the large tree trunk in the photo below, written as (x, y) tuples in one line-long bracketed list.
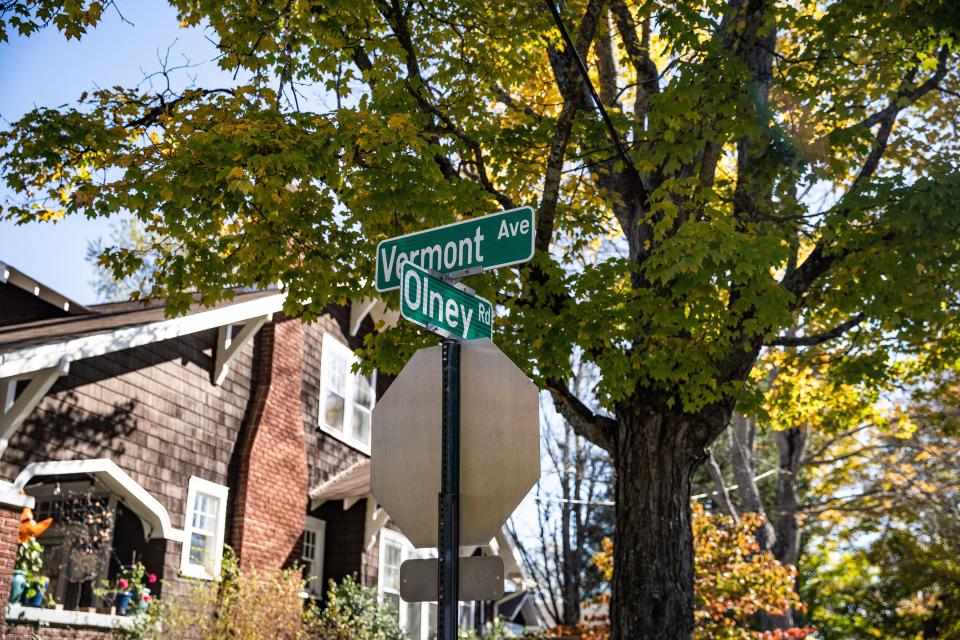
[(791, 446), (654, 458), (743, 434)]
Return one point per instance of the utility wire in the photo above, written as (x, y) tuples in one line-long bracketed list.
[(610, 503), (593, 92)]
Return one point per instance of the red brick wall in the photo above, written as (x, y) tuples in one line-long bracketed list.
[(9, 528), (327, 455), (271, 484)]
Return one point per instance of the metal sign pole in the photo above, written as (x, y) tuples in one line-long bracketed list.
[(449, 500)]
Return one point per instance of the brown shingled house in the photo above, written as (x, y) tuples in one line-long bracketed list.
[(230, 424)]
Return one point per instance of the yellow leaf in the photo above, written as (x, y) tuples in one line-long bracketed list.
[(398, 121)]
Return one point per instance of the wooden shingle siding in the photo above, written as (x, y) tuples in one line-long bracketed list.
[(152, 410)]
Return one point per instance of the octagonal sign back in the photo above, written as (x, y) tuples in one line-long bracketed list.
[(499, 443)]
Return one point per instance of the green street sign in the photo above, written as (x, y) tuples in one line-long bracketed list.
[(459, 249), (449, 309)]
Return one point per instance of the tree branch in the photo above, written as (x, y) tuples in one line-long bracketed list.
[(504, 96), (546, 216), (909, 95), (606, 63), (598, 429), (821, 259), (638, 51), (417, 86), (817, 338), (723, 496)]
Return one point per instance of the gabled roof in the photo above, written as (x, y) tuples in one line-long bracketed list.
[(106, 328), (520, 608), (14, 277)]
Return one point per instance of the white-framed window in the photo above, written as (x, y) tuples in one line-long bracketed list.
[(203, 529), (346, 398), (314, 533), (417, 619)]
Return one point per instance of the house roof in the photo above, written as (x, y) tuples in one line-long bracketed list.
[(101, 318), (510, 604), (14, 277), (352, 482), (40, 344)]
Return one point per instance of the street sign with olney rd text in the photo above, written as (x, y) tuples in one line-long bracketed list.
[(443, 307), (479, 244)]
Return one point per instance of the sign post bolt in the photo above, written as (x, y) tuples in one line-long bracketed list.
[(449, 499)]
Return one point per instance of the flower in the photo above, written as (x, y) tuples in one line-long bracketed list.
[(152, 578), (146, 597), (123, 584)]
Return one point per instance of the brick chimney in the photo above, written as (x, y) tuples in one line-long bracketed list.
[(270, 488)]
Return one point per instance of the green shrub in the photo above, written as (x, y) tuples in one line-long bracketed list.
[(263, 606), (30, 557), (354, 609), (495, 630)]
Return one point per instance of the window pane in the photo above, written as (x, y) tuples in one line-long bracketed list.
[(361, 424), (310, 575), (205, 512), (432, 621), (333, 411), (201, 550), (391, 578), (393, 556), (337, 369), (412, 625), (392, 602), (309, 545), (363, 393), (391, 567), (466, 614)]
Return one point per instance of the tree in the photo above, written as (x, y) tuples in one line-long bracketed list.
[(571, 519), (814, 430), (128, 235), (736, 580), (886, 526), (757, 167)]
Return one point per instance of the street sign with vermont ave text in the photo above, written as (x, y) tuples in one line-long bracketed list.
[(443, 307), (471, 246)]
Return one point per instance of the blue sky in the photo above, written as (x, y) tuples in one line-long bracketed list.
[(47, 70)]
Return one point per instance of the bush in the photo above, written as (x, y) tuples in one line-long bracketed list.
[(355, 610), (260, 606)]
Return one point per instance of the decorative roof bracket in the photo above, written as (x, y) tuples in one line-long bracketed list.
[(229, 345), (15, 407)]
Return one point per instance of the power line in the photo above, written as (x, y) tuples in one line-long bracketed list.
[(610, 503), (593, 92)]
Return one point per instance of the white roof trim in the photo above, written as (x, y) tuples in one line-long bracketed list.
[(376, 309), (506, 549), (10, 496), (151, 512), (48, 355)]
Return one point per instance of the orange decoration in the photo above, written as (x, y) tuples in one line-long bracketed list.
[(30, 528)]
